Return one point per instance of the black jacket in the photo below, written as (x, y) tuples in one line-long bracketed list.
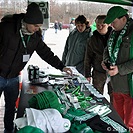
[(94, 52), (12, 49)]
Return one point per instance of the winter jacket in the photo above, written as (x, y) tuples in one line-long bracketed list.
[(74, 51), (94, 52), (56, 25), (125, 65), (12, 49)]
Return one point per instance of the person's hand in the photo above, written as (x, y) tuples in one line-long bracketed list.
[(113, 70), (68, 70), (104, 66), (89, 79)]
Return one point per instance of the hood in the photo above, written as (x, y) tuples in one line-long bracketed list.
[(12, 17)]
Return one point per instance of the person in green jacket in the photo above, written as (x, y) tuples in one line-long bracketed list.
[(93, 26), (75, 47), (118, 54)]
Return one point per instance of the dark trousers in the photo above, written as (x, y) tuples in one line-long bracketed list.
[(99, 80), (10, 87)]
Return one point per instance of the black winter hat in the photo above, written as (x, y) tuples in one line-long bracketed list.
[(33, 14)]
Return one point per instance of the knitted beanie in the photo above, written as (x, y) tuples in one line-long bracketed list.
[(33, 14), (44, 100), (30, 129)]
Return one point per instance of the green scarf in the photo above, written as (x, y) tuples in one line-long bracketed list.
[(130, 76), (113, 53), (113, 50)]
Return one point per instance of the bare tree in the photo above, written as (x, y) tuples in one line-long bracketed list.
[(62, 12), (68, 10), (12, 6)]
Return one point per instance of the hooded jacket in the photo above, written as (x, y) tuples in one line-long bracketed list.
[(12, 49), (74, 51)]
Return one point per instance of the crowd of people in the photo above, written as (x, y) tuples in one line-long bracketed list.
[(102, 56)]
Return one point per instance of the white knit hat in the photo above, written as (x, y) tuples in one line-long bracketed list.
[(56, 122), (49, 120)]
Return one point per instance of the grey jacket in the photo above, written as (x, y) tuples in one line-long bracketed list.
[(74, 51), (125, 66)]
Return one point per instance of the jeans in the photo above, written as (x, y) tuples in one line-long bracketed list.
[(55, 30), (10, 87)]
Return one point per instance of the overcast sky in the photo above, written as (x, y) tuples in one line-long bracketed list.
[(67, 0)]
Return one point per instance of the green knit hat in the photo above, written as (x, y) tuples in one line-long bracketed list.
[(113, 13), (30, 129), (44, 100)]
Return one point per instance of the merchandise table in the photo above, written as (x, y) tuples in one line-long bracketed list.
[(29, 90)]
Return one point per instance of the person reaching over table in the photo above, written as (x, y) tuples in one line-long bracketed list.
[(20, 36), (75, 47)]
